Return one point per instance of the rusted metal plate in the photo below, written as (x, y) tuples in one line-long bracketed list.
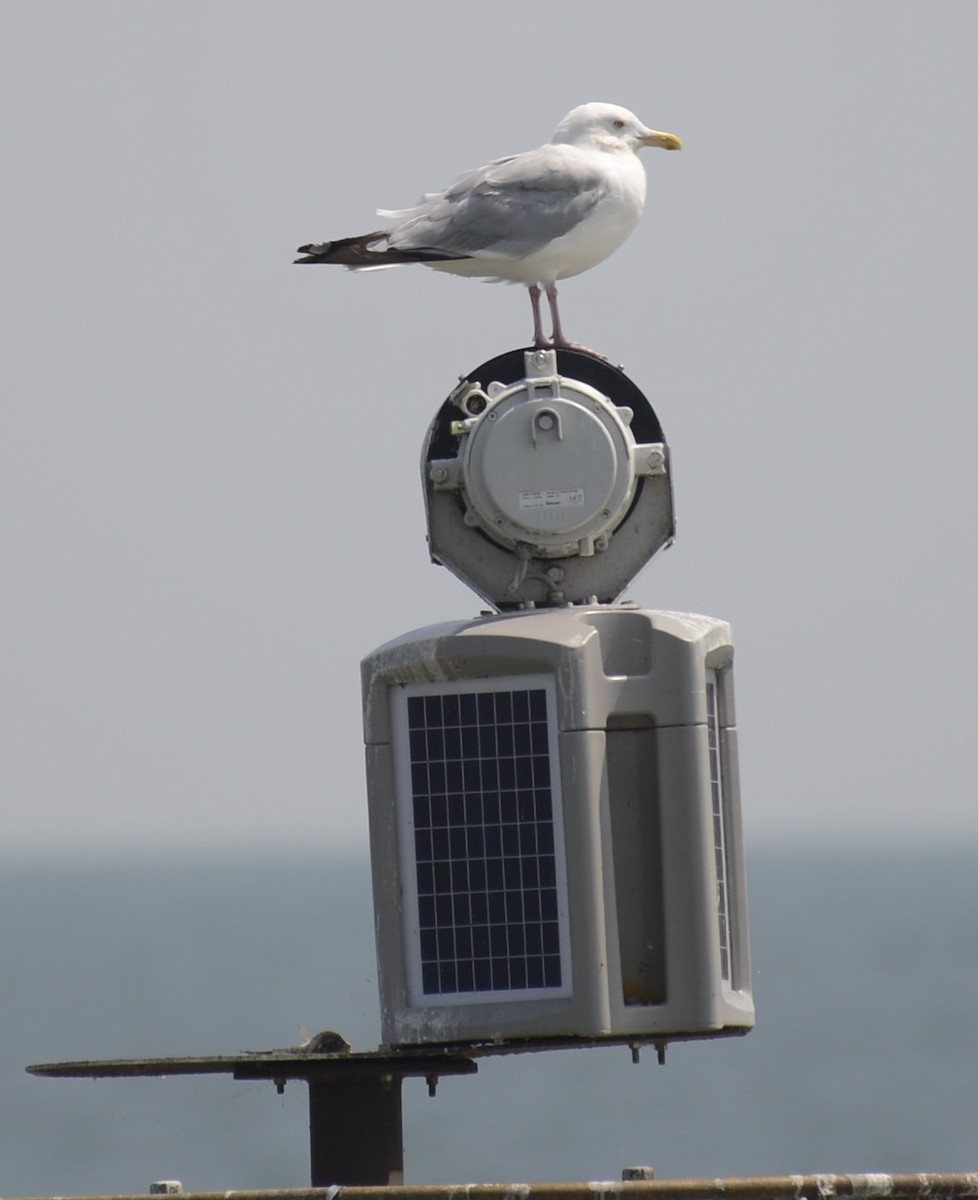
[(765, 1187), (270, 1064), (301, 1063)]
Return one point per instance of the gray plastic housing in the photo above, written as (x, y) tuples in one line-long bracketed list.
[(647, 860)]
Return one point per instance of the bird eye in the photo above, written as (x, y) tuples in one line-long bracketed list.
[(618, 123)]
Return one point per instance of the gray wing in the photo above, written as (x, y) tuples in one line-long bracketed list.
[(510, 208)]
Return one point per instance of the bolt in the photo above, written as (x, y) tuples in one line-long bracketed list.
[(545, 421), (438, 474), (656, 459)]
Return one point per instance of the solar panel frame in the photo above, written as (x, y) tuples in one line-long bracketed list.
[(481, 841)]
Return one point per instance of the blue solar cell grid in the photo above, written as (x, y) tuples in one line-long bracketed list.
[(484, 841)]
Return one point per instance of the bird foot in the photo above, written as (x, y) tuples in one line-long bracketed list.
[(565, 345)]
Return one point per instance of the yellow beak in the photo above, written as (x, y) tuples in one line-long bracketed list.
[(665, 141)]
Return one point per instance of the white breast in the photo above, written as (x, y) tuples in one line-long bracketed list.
[(597, 236)]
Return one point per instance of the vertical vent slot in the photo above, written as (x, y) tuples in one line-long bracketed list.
[(718, 790), (636, 838)]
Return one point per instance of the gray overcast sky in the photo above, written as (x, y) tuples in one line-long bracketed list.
[(211, 507)]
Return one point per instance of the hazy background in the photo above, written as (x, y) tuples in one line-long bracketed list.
[(211, 499), (208, 458), (864, 1057)]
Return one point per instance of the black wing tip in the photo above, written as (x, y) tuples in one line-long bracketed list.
[(358, 252), (313, 252)]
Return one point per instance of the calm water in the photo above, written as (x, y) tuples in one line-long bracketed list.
[(865, 1055)]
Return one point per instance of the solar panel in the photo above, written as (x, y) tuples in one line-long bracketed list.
[(482, 840)]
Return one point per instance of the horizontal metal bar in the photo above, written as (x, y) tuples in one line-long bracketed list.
[(765, 1187), (271, 1065), (403, 1056)]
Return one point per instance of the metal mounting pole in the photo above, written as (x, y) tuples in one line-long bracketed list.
[(355, 1132), (355, 1136)]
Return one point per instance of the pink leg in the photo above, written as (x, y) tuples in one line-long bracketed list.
[(559, 339), (539, 341)]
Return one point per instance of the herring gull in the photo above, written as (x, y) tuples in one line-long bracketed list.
[(531, 218)]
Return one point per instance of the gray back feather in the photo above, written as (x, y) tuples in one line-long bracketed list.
[(511, 207)]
